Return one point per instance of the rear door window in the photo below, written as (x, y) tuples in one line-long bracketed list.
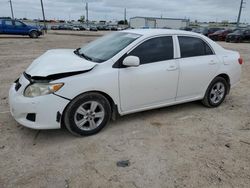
[(193, 47), (9, 23)]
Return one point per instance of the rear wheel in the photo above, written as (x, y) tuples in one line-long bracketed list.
[(87, 114), (216, 93), (34, 34)]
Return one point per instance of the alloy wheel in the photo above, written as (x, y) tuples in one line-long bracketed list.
[(217, 92), (89, 115)]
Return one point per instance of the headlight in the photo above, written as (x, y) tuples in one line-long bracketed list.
[(39, 89)]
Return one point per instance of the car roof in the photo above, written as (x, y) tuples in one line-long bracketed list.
[(153, 32)]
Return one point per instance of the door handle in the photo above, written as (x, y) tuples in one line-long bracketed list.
[(172, 68), (212, 62)]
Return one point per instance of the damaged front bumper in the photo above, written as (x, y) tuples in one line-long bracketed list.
[(43, 112)]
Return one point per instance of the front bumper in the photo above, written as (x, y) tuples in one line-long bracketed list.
[(232, 38), (45, 108), (40, 33)]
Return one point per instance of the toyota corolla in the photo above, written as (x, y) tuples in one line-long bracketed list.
[(122, 73)]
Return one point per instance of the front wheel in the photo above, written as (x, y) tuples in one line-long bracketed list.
[(87, 114), (216, 93), (34, 34)]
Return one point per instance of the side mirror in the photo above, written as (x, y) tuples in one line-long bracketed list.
[(131, 61)]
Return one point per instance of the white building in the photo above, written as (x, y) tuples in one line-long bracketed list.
[(150, 22)]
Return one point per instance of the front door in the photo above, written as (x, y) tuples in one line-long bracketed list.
[(155, 81), (20, 28)]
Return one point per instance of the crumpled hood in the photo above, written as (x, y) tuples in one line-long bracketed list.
[(58, 61)]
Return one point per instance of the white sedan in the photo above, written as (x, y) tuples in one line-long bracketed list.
[(122, 73)]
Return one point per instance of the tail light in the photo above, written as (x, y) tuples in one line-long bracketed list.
[(240, 61)]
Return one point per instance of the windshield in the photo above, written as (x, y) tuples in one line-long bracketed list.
[(197, 30), (106, 47), (204, 30), (219, 32), (238, 32)]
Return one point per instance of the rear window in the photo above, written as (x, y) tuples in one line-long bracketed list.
[(193, 47), (219, 32), (238, 32)]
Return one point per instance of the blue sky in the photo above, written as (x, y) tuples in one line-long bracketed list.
[(202, 10)]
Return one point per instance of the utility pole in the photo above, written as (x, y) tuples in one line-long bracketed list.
[(87, 13), (125, 16), (241, 7), (44, 23), (12, 13)]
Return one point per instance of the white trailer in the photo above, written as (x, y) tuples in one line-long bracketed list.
[(151, 22)]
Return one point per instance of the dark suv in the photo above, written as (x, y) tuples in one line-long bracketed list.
[(206, 31), (220, 35), (239, 36)]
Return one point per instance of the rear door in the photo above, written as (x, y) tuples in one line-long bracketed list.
[(155, 81), (9, 27), (198, 66)]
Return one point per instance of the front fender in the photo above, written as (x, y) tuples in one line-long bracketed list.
[(39, 32), (103, 81)]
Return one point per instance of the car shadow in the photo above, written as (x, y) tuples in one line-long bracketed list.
[(159, 111), (235, 42), (59, 135), (17, 37)]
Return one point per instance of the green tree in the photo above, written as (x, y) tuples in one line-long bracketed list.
[(82, 19), (121, 22)]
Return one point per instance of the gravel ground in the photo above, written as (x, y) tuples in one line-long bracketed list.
[(181, 146)]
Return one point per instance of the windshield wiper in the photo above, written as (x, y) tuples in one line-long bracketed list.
[(77, 52)]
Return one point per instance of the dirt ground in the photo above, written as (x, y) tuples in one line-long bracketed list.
[(181, 146)]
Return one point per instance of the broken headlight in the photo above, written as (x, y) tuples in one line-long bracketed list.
[(39, 89)]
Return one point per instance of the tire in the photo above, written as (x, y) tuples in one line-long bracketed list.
[(236, 40), (87, 114), (33, 34), (216, 93)]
